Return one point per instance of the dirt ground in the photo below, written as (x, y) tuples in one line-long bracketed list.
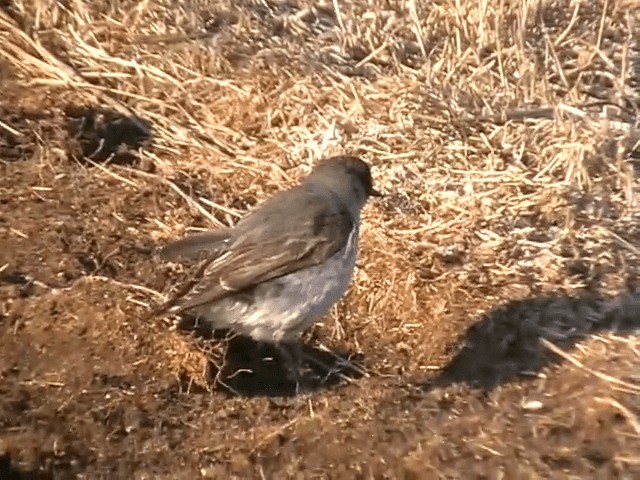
[(493, 322)]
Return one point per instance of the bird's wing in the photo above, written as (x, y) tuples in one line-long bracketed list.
[(275, 243)]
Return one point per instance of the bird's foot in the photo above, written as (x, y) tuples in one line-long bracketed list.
[(338, 367)]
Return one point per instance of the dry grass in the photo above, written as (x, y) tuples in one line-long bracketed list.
[(504, 132)]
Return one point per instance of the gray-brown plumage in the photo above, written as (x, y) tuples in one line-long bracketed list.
[(287, 262)]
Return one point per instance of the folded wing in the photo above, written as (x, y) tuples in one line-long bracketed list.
[(274, 243)]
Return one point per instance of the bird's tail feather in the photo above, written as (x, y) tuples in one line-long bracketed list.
[(197, 244)]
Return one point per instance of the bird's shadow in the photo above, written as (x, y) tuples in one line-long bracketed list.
[(506, 343), (10, 471), (250, 368)]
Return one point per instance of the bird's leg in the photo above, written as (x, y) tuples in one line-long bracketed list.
[(292, 354), (341, 361), (337, 367)]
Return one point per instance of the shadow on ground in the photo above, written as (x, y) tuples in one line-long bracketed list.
[(505, 343), (251, 368), (8, 471)]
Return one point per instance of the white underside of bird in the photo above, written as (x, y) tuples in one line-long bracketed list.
[(279, 310)]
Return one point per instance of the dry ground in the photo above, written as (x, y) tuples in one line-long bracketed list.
[(495, 306)]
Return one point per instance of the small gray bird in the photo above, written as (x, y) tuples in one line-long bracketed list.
[(286, 263)]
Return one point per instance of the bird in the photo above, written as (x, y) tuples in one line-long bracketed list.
[(283, 266)]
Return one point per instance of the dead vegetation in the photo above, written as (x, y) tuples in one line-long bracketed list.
[(495, 306)]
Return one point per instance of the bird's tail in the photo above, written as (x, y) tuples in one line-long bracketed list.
[(193, 246)]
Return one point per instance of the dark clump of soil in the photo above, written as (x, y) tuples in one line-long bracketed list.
[(102, 134)]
